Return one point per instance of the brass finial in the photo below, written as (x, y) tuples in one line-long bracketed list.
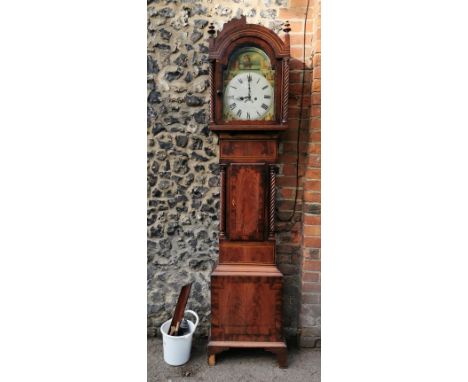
[(287, 27)]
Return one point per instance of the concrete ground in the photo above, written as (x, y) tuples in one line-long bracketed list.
[(239, 365)]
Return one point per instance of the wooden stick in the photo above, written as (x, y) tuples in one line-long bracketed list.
[(180, 309)]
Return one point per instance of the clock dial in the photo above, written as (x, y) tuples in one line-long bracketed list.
[(248, 96), (249, 86)]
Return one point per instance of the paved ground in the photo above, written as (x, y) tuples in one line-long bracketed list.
[(234, 365)]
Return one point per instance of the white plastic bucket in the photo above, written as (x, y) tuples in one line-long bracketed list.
[(176, 349)]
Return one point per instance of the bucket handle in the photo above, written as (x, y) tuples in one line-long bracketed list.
[(196, 317)]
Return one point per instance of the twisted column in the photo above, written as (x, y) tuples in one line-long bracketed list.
[(271, 231), (285, 99), (222, 201), (212, 90)]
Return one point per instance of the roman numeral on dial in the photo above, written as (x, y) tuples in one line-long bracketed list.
[(239, 113), (232, 106), (264, 106)]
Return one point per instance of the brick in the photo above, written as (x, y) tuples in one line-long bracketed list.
[(309, 287), (298, 26), (311, 230), (312, 173), (312, 253), (312, 185), (286, 181), (311, 196), (297, 88), (292, 147), (298, 52), (317, 72), (316, 59), (311, 265), (315, 136), (298, 4), (295, 14), (311, 277), (310, 298), (296, 112), (313, 242), (316, 46), (314, 148), (289, 170), (309, 342), (315, 111), (316, 85), (287, 158), (296, 63), (316, 99), (315, 123), (312, 219), (313, 160), (297, 39), (295, 76)]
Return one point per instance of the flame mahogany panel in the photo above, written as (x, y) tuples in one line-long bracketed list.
[(248, 150), (246, 308), (245, 203), (244, 253)]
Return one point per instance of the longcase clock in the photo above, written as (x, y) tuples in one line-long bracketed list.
[(249, 79)]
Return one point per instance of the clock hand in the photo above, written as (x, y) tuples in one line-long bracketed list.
[(249, 79)]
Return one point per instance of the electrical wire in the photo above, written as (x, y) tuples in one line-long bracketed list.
[(301, 110)]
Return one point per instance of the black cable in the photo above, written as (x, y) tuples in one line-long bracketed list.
[(301, 109)]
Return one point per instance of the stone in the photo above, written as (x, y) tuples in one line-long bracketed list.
[(203, 48), (197, 144), (213, 181), (165, 145), (188, 77), (172, 75), (164, 184), (199, 192), (164, 47), (268, 13), (181, 60), (165, 34), (166, 12), (154, 97), (198, 157), (151, 65), (200, 117), (209, 152), (171, 228), (193, 100), (181, 140), (200, 23), (195, 36), (158, 128)]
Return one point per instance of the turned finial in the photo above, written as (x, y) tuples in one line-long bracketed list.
[(287, 27), (211, 30)]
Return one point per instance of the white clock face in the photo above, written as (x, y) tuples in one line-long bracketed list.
[(248, 96)]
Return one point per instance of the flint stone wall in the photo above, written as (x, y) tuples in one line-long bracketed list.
[(183, 182)]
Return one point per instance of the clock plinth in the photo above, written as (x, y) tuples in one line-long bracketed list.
[(246, 285)]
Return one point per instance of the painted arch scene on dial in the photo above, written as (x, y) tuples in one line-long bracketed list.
[(249, 86)]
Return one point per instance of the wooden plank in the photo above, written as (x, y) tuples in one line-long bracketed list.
[(180, 309)]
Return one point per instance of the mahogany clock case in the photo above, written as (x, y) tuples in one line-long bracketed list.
[(246, 285)]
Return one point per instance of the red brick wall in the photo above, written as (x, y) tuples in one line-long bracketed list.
[(299, 241)]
